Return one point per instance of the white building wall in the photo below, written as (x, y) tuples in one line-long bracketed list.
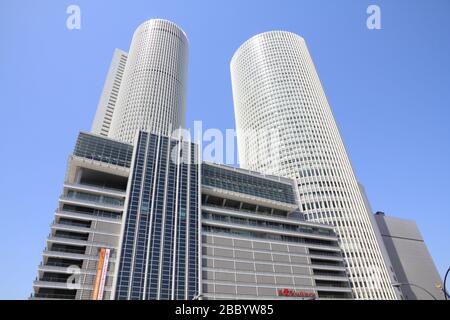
[(286, 127), (152, 96), (411, 260), (108, 99)]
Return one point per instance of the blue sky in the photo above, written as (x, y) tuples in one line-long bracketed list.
[(389, 90)]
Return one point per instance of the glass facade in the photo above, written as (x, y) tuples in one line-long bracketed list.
[(240, 182), (160, 246), (103, 149)]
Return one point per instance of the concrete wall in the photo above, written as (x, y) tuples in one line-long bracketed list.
[(410, 257)]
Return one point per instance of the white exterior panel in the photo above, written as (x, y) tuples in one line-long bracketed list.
[(108, 99), (277, 93), (152, 96)]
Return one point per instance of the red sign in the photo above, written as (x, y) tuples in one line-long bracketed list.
[(295, 293)]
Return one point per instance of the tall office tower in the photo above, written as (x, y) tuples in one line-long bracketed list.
[(152, 96), (286, 127), (159, 255), (416, 274), (108, 99)]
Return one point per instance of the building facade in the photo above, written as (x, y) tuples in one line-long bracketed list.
[(285, 127), (127, 224), (108, 98), (148, 221), (81, 253), (257, 245), (141, 217), (160, 239), (416, 274), (152, 95)]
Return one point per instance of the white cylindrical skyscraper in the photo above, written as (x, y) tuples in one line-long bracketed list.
[(152, 96), (277, 93)]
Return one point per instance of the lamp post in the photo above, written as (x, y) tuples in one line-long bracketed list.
[(413, 285)]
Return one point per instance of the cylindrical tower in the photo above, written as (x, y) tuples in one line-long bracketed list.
[(152, 96), (286, 127)]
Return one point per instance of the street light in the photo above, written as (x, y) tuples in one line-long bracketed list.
[(413, 285)]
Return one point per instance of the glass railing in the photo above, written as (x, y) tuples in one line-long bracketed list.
[(53, 279), (64, 250), (71, 223), (59, 264), (53, 296), (95, 213), (68, 236), (94, 186), (94, 198)]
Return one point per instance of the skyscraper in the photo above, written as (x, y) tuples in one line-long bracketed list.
[(276, 89), (108, 99), (152, 95), (139, 216)]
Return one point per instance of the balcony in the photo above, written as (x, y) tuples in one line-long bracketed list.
[(58, 247), (74, 223), (96, 189), (54, 279), (53, 268), (94, 200), (50, 284), (58, 226), (89, 214), (52, 296)]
